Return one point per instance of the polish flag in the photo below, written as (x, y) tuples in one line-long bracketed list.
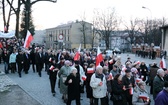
[(77, 54), (50, 59), (143, 97), (52, 67), (28, 40), (110, 76), (138, 80), (99, 57), (84, 77), (131, 91), (90, 70), (162, 63), (111, 61)]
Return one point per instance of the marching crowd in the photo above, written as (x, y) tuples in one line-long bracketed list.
[(123, 84)]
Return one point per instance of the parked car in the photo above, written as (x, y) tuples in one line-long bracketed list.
[(109, 53), (117, 50)]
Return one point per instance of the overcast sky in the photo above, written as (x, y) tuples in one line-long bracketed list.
[(47, 14)]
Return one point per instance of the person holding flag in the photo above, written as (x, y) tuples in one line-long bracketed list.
[(99, 86), (140, 95), (163, 63), (53, 69)]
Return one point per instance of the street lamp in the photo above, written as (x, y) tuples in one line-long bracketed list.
[(147, 20)]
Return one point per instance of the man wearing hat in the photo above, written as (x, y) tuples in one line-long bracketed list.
[(129, 83)]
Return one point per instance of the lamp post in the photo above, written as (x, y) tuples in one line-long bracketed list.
[(146, 40)]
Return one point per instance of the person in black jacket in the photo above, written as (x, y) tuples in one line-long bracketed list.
[(53, 69), (118, 91), (129, 83), (32, 59), (26, 62), (5, 57), (39, 59), (20, 62), (73, 84)]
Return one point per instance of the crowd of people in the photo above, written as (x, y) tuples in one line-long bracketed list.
[(123, 84)]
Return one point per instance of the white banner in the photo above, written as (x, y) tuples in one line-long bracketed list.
[(7, 35)]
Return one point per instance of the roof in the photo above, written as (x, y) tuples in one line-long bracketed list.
[(163, 27)]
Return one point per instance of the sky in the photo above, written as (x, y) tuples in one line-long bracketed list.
[(48, 14)]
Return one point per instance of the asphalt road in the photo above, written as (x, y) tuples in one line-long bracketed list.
[(39, 87)]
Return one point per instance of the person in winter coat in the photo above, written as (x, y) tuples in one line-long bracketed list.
[(118, 91), (63, 74), (89, 72), (129, 83), (20, 62), (98, 84), (162, 97), (81, 73), (143, 70), (73, 83), (158, 82), (140, 95), (152, 74), (53, 69), (5, 57), (12, 61)]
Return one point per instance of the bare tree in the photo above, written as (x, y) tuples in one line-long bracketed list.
[(16, 10), (107, 21), (6, 19), (133, 30)]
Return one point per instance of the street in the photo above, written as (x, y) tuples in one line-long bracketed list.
[(39, 87)]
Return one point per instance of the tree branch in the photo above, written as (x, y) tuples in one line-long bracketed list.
[(11, 6), (54, 1)]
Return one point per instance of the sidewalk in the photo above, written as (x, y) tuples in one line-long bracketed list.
[(12, 94)]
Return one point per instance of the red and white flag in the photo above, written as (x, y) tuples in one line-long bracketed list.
[(110, 76), (90, 70), (99, 57), (77, 54), (131, 91), (162, 63), (50, 59), (52, 67), (111, 61), (84, 77), (138, 80), (144, 97), (28, 39)]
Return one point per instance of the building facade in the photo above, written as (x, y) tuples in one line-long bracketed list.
[(72, 35), (164, 41)]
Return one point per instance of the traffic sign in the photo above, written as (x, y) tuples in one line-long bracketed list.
[(60, 38)]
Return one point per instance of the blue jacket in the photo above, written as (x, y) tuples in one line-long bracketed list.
[(162, 98)]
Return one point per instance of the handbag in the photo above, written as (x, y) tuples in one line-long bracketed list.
[(116, 97)]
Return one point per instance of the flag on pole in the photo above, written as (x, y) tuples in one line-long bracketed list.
[(162, 63), (28, 39), (77, 54), (99, 57)]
